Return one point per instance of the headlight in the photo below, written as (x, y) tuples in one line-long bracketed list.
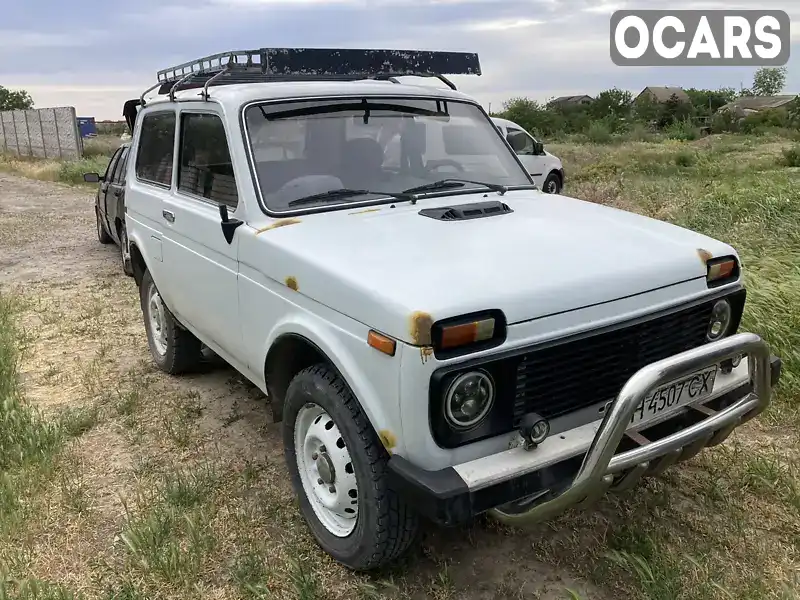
[(469, 399), (720, 320)]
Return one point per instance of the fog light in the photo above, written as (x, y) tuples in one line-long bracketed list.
[(534, 429), (720, 321), (469, 399)]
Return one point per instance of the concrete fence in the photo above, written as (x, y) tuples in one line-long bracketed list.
[(43, 132)]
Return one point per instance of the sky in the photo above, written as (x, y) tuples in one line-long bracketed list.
[(95, 54)]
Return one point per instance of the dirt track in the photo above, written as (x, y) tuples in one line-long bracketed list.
[(89, 349)]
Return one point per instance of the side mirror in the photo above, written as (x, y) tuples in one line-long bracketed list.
[(538, 147), (92, 178), (228, 225)]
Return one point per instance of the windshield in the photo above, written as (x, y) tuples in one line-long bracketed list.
[(303, 151)]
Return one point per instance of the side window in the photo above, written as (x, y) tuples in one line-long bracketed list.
[(205, 168), (520, 141), (119, 171), (112, 165), (156, 148)]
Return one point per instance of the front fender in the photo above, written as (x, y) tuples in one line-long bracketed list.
[(347, 350)]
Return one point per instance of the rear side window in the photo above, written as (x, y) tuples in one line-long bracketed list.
[(119, 171), (206, 169), (156, 148)]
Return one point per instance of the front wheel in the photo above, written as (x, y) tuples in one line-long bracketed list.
[(552, 185), (338, 470)]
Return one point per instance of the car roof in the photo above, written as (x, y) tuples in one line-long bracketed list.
[(244, 93)]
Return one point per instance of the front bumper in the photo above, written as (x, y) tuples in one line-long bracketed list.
[(602, 460)]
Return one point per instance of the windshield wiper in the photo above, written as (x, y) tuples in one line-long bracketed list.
[(454, 182), (345, 193)]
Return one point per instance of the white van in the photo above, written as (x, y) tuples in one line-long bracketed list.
[(546, 169)]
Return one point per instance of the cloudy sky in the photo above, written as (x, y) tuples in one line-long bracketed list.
[(95, 54)]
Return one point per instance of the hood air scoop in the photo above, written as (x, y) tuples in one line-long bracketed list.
[(464, 212)]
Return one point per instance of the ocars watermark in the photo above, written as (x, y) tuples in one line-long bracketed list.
[(700, 37)]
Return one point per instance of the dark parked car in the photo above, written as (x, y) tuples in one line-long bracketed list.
[(109, 205)]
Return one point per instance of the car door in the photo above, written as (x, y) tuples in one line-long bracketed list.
[(105, 185), (202, 265), (523, 144), (115, 195)]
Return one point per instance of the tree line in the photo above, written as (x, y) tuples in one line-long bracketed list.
[(616, 111)]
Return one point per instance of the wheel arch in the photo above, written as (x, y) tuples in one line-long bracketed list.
[(297, 345), (137, 262)]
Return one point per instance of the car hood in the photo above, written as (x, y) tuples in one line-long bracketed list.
[(392, 268)]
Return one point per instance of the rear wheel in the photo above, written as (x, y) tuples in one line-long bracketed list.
[(174, 349), (102, 234), (338, 470), (125, 251)]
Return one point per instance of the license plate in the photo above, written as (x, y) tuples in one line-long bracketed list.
[(672, 396)]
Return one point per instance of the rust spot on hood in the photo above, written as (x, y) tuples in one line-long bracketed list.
[(366, 210), (388, 439), (420, 328), (276, 224), (704, 255), (291, 283)]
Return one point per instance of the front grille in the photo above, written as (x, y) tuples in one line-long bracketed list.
[(559, 379)]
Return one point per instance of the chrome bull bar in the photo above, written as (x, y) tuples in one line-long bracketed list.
[(601, 464)]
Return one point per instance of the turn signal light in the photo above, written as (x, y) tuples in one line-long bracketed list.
[(454, 336), (381, 343)]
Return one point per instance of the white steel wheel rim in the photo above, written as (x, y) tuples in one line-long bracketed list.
[(326, 470), (157, 320)]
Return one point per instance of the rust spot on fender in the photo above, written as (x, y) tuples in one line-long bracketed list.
[(388, 439), (291, 283), (425, 352), (704, 255), (420, 328), (277, 224), (366, 210)]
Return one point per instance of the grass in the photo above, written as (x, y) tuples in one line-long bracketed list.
[(135, 485)]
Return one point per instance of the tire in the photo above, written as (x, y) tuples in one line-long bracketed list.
[(174, 349), (552, 185), (102, 234), (382, 527), (124, 250)]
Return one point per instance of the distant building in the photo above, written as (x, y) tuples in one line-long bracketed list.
[(571, 101), (741, 107), (662, 94)]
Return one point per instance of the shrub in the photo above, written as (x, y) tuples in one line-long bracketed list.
[(684, 130), (791, 157), (685, 158), (598, 133)]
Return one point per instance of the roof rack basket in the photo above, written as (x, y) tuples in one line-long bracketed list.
[(298, 64)]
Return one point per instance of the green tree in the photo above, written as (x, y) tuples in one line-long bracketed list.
[(19, 100), (769, 81), (614, 103), (708, 102)]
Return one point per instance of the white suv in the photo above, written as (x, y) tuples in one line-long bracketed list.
[(544, 168), (438, 336)]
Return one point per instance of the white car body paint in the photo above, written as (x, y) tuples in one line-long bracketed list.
[(554, 266), (539, 166)]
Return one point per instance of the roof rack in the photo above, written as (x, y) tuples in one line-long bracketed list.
[(315, 64)]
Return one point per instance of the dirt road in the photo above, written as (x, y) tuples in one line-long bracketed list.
[(138, 432)]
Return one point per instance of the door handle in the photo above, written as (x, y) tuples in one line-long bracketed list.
[(168, 215)]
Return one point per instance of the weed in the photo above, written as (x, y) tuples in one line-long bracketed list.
[(685, 159)]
